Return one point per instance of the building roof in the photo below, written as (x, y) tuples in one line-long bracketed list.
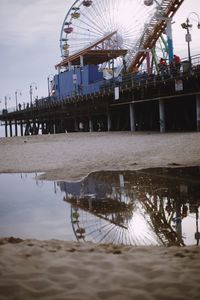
[(94, 54), (92, 57)]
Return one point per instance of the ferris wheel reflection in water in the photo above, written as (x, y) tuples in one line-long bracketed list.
[(134, 209)]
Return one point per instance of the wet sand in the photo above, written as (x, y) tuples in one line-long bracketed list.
[(31, 269)]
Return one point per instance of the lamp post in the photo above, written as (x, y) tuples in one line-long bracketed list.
[(187, 25), (32, 85), (16, 93), (7, 97), (49, 82), (188, 39)]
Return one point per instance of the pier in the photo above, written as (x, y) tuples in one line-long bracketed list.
[(145, 103)]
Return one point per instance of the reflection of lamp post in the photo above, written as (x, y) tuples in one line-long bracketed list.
[(7, 97), (49, 82), (33, 84), (55, 188), (188, 37), (16, 93), (197, 233)]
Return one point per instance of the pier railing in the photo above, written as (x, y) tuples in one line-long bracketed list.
[(129, 80)]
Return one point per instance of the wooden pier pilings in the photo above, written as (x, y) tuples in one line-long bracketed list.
[(170, 103)]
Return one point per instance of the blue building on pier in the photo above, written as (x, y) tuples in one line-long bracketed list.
[(78, 81)]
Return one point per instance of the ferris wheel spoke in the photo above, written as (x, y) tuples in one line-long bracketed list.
[(97, 16), (112, 17), (115, 12), (90, 22), (81, 34), (114, 236), (99, 20), (115, 5), (119, 236), (110, 226), (97, 234), (131, 236), (99, 228), (100, 9), (88, 31), (110, 238), (131, 239), (130, 33), (107, 229), (95, 27), (126, 236), (108, 15), (92, 226)]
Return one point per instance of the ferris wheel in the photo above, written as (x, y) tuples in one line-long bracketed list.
[(116, 228), (87, 22), (146, 220)]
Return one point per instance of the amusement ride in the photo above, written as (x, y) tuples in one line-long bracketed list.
[(118, 35), (133, 208)]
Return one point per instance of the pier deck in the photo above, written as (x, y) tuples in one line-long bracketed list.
[(161, 103)]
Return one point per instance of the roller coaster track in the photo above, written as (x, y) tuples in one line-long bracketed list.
[(153, 31), (160, 225)]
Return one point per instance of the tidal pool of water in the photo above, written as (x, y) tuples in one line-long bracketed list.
[(145, 207)]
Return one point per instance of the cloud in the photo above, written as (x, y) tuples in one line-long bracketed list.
[(26, 22), (29, 43)]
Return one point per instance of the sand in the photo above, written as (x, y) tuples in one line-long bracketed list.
[(32, 269), (74, 155)]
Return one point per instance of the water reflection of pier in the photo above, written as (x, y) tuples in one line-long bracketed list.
[(139, 208)]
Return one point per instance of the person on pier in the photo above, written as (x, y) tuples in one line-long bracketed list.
[(163, 69), (175, 65)]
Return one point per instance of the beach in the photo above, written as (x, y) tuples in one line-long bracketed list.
[(59, 270), (73, 156)]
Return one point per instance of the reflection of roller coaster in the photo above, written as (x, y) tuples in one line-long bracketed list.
[(159, 222), (137, 208)]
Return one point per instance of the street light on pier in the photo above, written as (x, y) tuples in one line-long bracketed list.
[(7, 97), (32, 85), (187, 25), (49, 83), (16, 94)]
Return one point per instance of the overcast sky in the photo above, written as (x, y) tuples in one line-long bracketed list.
[(29, 42)]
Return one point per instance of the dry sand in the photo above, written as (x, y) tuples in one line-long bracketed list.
[(68, 271), (74, 155), (59, 270)]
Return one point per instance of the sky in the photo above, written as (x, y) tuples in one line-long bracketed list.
[(29, 43)]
